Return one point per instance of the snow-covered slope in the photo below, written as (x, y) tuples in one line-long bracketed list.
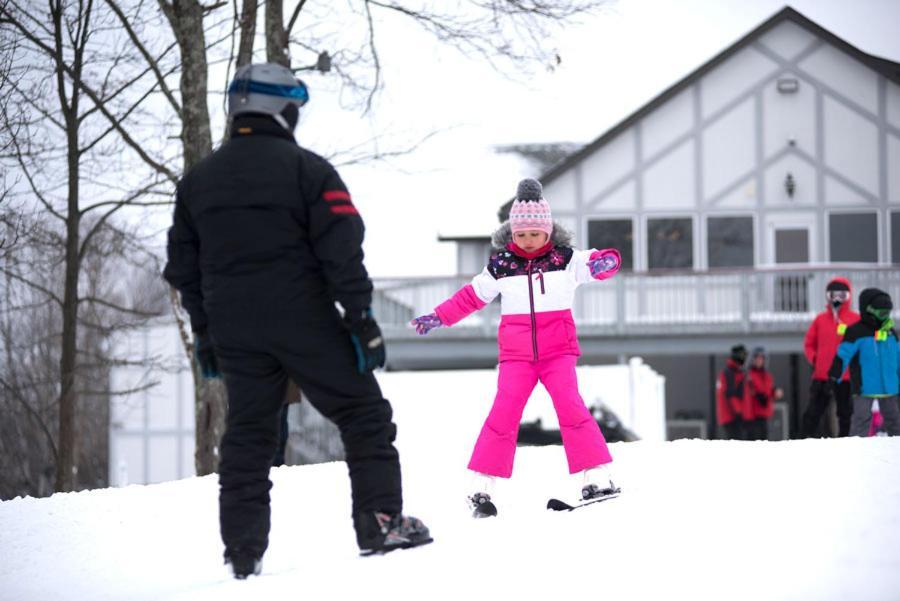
[(814, 519)]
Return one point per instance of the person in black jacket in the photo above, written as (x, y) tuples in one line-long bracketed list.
[(871, 350), (265, 238)]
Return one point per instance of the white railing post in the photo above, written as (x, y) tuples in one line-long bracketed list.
[(745, 301), (620, 283)]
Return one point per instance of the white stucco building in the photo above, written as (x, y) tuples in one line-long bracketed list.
[(783, 148)]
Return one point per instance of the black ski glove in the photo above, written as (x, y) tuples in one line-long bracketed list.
[(367, 340), (205, 357), (761, 399)]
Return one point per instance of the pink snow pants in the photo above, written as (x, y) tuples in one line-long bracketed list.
[(496, 446)]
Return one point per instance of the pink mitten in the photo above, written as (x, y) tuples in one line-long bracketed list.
[(604, 263)]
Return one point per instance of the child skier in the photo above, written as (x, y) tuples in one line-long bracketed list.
[(536, 272), (871, 350)]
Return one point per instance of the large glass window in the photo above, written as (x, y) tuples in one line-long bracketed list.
[(613, 233), (729, 241), (853, 237), (895, 237), (670, 243)]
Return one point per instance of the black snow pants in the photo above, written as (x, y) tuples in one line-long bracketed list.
[(820, 394), (256, 358)]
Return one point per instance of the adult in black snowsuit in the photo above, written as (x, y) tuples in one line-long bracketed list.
[(265, 239)]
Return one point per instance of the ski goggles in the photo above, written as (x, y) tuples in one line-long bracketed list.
[(838, 295), (298, 93), (880, 314)]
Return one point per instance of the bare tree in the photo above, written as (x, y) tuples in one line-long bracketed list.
[(186, 20), (69, 97), (116, 273)]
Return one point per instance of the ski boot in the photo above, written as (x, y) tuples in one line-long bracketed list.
[(593, 492), (481, 505), (243, 564), (380, 533)]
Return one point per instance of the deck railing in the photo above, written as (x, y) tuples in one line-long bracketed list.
[(758, 300)]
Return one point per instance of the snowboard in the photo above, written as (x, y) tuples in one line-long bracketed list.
[(557, 505)]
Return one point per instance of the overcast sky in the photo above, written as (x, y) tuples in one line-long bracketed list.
[(612, 64)]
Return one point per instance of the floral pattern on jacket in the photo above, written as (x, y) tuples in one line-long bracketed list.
[(505, 263)]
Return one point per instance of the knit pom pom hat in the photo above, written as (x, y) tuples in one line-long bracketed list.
[(530, 211)]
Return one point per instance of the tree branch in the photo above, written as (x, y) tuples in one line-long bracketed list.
[(153, 63), (119, 308), (31, 183), (116, 204), (126, 137), (293, 20), (128, 84), (374, 51), (28, 282), (34, 415), (121, 118), (30, 101)]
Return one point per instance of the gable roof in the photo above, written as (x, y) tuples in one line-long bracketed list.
[(887, 68)]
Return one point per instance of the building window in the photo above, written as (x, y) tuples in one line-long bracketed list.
[(853, 237), (792, 245), (895, 237), (613, 233), (729, 241), (670, 243)]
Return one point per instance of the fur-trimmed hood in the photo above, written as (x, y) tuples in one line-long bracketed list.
[(503, 236)]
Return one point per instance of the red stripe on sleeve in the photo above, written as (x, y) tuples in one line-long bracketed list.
[(332, 195), (344, 210)]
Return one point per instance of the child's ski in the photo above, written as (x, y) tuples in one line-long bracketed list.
[(557, 505)]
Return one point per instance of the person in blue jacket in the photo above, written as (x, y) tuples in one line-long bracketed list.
[(872, 351)]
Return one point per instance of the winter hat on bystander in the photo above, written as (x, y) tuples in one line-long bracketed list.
[(530, 211), (739, 353)]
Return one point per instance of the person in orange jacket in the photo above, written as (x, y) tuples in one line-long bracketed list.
[(761, 396), (820, 345), (731, 395)]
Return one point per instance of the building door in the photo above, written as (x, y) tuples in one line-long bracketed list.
[(791, 246)]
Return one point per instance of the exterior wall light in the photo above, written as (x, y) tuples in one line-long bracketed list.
[(788, 85), (790, 185)]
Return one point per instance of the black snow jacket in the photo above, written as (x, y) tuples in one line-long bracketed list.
[(265, 227)]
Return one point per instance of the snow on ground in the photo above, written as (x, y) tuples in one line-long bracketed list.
[(811, 519)]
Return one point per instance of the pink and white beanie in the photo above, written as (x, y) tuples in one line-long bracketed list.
[(530, 211)]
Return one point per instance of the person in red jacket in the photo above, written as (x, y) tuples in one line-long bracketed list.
[(761, 396), (820, 345), (731, 395)]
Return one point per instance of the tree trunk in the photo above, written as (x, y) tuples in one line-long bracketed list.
[(66, 466), (276, 36), (68, 398), (186, 19), (247, 26)]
